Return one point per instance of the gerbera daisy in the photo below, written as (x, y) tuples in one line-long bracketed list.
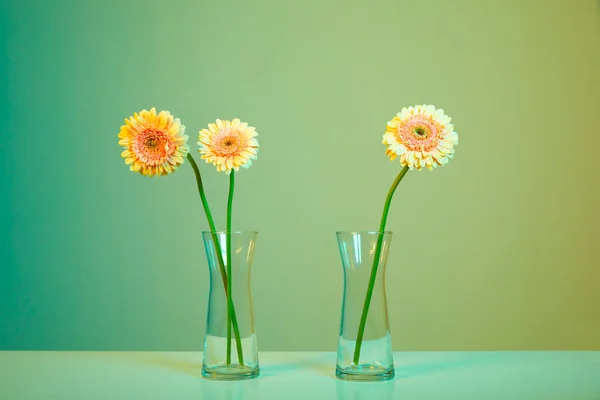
[(154, 144), (228, 145), (422, 136)]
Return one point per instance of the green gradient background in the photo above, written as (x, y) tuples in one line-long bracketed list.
[(499, 250)]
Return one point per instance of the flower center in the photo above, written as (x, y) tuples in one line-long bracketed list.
[(153, 147), (229, 144), (151, 142), (420, 132)]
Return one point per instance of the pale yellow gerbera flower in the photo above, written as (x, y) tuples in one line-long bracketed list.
[(422, 136), (154, 144), (228, 145)]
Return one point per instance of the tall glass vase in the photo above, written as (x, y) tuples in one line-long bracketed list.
[(230, 351), (364, 344)]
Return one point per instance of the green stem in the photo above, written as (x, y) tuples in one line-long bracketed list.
[(229, 281), (365, 311), (213, 231)]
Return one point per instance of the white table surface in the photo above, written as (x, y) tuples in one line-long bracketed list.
[(569, 375)]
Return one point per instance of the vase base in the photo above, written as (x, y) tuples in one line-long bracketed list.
[(232, 372), (364, 373)]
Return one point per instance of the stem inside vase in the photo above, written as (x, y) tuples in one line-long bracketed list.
[(376, 358), (218, 363)]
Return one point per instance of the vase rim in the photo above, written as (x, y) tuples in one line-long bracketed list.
[(231, 232), (362, 232)]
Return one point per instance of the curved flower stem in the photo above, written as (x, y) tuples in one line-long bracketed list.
[(213, 231), (365, 311), (229, 275)]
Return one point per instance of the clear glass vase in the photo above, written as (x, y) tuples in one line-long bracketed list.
[(230, 351), (364, 345)]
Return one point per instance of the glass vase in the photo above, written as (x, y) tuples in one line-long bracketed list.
[(364, 345), (230, 351)]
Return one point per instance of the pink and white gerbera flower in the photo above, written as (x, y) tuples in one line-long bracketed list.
[(422, 136), (228, 145)]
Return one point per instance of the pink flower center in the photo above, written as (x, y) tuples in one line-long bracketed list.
[(228, 143), (153, 147), (419, 133)]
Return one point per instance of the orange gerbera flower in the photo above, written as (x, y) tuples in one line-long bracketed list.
[(154, 144)]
